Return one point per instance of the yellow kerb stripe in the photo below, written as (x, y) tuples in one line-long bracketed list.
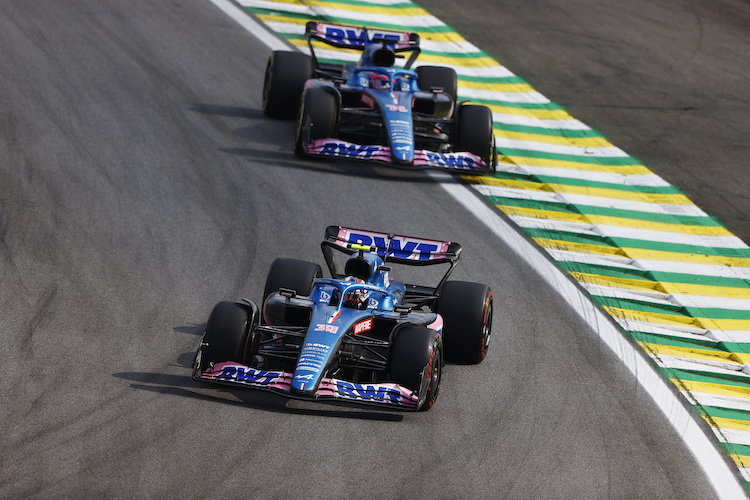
[(614, 221), (676, 320), (634, 169), (690, 353), (664, 287), (658, 198), (639, 253)]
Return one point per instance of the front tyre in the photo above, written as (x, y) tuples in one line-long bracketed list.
[(297, 275), (316, 118), (466, 309), (429, 77), (230, 335), (286, 74), (474, 133), (416, 362)]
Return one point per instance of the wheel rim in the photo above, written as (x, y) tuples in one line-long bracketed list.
[(487, 327), (266, 85), (436, 373)]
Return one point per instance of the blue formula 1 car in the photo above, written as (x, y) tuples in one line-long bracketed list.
[(375, 111), (358, 336)]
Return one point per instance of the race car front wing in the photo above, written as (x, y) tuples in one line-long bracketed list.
[(387, 394), (463, 161)]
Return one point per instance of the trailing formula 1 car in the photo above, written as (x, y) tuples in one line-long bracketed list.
[(358, 336), (373, 110)]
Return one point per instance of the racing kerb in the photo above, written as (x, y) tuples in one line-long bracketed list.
[(672, 278)]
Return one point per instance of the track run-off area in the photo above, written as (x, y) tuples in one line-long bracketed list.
[(673, 279)]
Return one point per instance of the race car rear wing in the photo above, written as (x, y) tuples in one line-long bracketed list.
[(393, 248), (354, 37)]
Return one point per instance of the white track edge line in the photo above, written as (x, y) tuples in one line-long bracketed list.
[(721, 476)]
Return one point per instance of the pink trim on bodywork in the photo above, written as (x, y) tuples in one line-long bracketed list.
[(329, 388), (460, 161), (437, 325)]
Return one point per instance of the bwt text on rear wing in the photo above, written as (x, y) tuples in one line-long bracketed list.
[(354, 37)]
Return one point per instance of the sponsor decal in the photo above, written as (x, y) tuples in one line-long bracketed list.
[(397, 107), (367, 100), (322, 327), (246, 375), (313, 355), (363, 326), (451, 160), (401, 133), (357, 37), (347, 150), (402, 247), (378, 392), (324, 297)]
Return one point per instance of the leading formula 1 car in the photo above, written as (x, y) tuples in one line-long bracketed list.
[(373, 110), (358, 336)]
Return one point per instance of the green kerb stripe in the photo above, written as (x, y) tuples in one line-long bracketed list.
[(618, 242), (653, 276), (567, 181), (608, 212)]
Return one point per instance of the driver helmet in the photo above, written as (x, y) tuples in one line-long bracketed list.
[(355, 298), (379, 81)]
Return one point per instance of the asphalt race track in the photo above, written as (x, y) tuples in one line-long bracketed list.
[(140, 184)]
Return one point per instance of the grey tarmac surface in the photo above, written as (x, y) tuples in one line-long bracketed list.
[(140, 184)]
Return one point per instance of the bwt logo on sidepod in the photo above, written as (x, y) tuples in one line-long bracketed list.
[(358, 37)]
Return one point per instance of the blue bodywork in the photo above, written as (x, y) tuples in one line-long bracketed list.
[(380, 106), (335, 341)]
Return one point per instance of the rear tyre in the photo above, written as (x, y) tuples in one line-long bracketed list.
[(230, 335), (416, 362), (474, 133), (316, 118), (438, 76), (466, 309), (286, 74), (297, 275)]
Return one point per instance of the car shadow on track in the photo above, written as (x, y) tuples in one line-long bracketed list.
[(285, 158)]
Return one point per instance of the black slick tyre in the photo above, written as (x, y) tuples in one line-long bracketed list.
[(297, 275), (286, 74), (316, 118), (416, 362), (466, 309), (429, 77), (230, 334), (474, 133)]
